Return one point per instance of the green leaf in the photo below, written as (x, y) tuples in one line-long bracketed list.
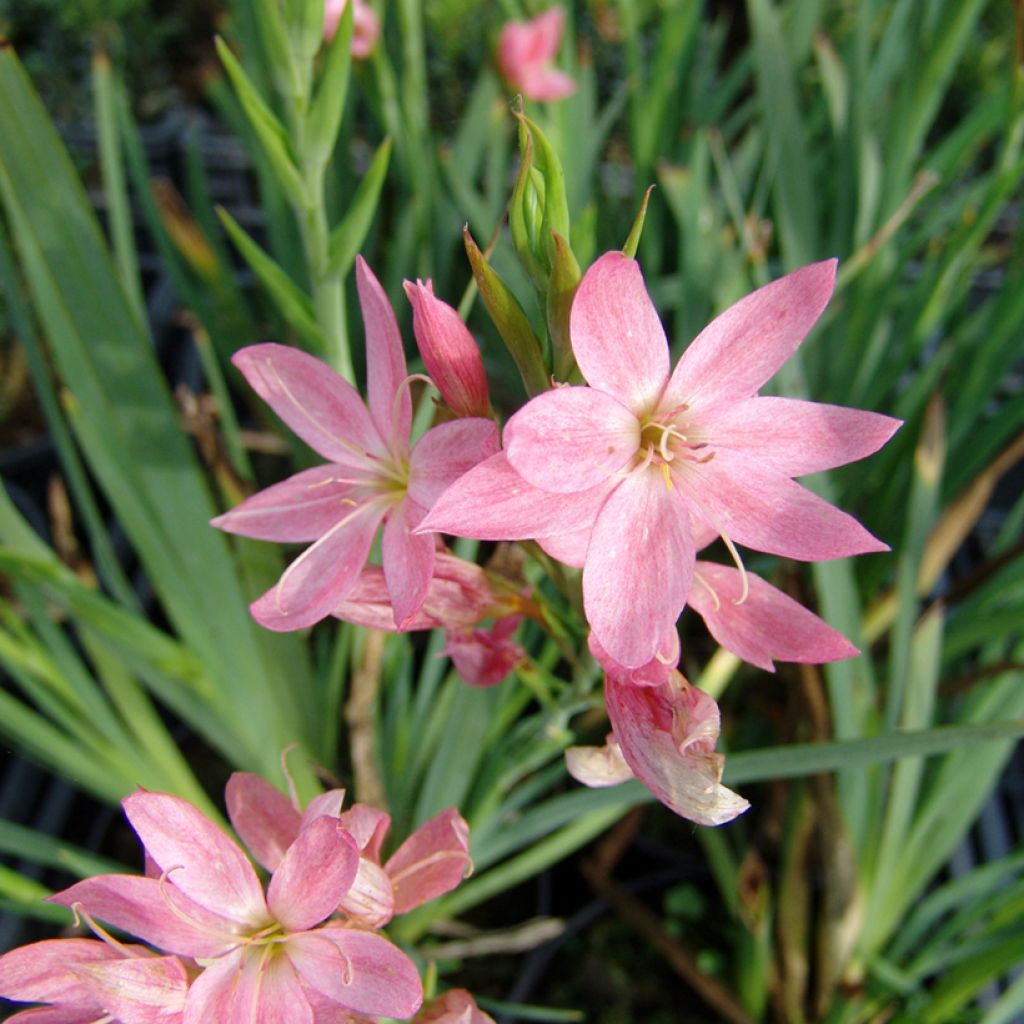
[(325, 113), (348, 237)]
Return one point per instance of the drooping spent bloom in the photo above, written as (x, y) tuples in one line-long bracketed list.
[(279, 955), (526, 52), (85, 980), (365, 25), (456, 1006), (433, 860), (665, 736), (632, 475), (371, 475)]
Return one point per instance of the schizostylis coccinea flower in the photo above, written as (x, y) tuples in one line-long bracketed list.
[(526, 54)]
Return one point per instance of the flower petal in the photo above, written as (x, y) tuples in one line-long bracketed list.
[(744, 346), (667, 736), (767, 625), (571, 439), (321, 577), (211, 995), (385, 361), (208, 867), (639, 568), (547, 84), (324, 410), (431, 862), (598, 767), (570, 548), (263, 817), (328, 803), (312, 879), (796, 437), (301, 508), (493, 502), (408, 562), (445, 452), (367, 826), (456, 1006), (371, 899), (141, 990), (43, 972), (762, 509), (382, 980), (617, 338)]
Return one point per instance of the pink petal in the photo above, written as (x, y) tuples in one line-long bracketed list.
[(493, 502), (382, 980), (445, 452), (321, 965), (371, 900), (639, 568), (667, 736), (301, 508), (385, 361), (432, 861), (546, 85), (211, 996), (456, 1006), (368, 826), (320, 578), (328, 803), (208, 867), (43, 972), (762, 509), (796, 437), (546, 33), (324, 410), (450, 354), (570, 548), (55, 1015), (157, 912), (655, 672), (312, 879), (744, 346), (408, 562), (484, 657), (148, 990), (617, 337), (598, 767), (262, 816), (765, 626), (571, 439)]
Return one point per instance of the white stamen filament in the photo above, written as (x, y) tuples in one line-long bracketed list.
[(711, 590)]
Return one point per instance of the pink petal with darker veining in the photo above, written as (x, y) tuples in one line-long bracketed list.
[(743, 347), (56, 1015), (493, 502), (368, 826), (328, 803), (268, 991), (655, 672), (760, 508), (385, 362), (43, 971), (299, 509), (321, 965), (210, 996), (432, 861), (208, 866), (796, 437), (324, 410), (571, 439), (383, 980), (312, 879), (667, 737), (320, 578), (639, 568), (408, 562), (767, 625), (147, 990), (445, 453), (617, 338), (263, 817)]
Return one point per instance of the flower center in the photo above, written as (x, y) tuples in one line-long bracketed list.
[(664, 440)]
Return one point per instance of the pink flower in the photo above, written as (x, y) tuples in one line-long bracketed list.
[(632, 475), (365, 25), (665, 736), (456, 1006), (273, 956), (84, 980), (483, 657), (371, 476), (526, 50)]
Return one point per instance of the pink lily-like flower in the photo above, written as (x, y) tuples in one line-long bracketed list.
[(635, 473), (431, 861), (365, 25), (526, 50), (86, 981), (665, 736), (371, 475), (263, 957)]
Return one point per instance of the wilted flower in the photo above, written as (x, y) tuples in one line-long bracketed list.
[(365, 25), (526, 50)]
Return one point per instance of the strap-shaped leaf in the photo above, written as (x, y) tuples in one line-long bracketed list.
[(348, 237)]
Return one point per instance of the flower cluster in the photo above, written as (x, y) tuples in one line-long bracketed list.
[(306, 949)]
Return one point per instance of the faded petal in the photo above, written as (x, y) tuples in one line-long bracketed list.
[(318, 405), (408, 562), (381, 980), (371, 899), (319, 579), (450, 354), (598, 767), (796, 437), (493, 502), (208, 866), (368, 826), (667, 737), (617, 338), (446, 452), (639, 568), (767, 625), (456, 1006), (483, 657), (655, 672), (571, 439), (431, 862), (744, 346), (301, 508), (263, 817), (385, 362), (317, 871)]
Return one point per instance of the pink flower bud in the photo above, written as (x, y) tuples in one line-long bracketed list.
[(365, 25), (526, 51)]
